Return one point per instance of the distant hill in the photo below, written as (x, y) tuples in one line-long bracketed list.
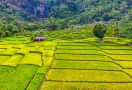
[(24, 8), (22, 17), (83, 10)]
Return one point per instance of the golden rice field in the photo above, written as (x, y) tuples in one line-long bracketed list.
[(64, 65), (87, 65)]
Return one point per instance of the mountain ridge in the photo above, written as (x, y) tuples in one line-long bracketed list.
[(88, 9)]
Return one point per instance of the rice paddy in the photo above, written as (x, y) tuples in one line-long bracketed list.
[(94, 66), (23, 64), (64, 65)]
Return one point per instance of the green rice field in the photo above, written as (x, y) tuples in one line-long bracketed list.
[(24, 64), (64, 65)]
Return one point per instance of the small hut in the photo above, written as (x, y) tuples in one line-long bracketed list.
[(39, 38)]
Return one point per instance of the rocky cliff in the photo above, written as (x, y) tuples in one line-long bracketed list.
[(37, 8)]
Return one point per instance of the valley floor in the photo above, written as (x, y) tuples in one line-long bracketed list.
[(64, 65), (83, 65)]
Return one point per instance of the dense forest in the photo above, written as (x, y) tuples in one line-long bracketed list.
[(23, 16)]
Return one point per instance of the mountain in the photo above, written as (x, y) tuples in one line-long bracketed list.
[(86, 10), (35, 8), (23, 16)]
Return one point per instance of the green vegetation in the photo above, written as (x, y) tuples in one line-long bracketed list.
[(78, 47), (106, 67), (125, 64), (128, 52), (25, 65), (19, 78), (121, 57), (3, 58), (71, 57), (74, 44), (36, 81), (99, 31), (50, 85), (64, 64), (32, 58), (128, 71), (5, 70), (82, 57), (83, 52), (10, 51), (115, 47), (13, 60), (88, 76)]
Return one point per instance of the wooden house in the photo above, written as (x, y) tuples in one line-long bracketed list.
[(39, 38)]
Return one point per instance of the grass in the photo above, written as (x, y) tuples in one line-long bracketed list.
[(67, 35), (69, 71), (49, 43), (88, 76), (118, 51), (4, 71), (20, 46), (121, 57), (48, 53), (82, 57), (36, 81), (3, 47), (10, 51), (26, 49), (116, 47), (27, 73), (15, 40), (32, 58), (19, 78), (129, 71), (74, 44), (125, 64), (49, 85), (4, 58), (97, 43), (42, 70), (78, 47), (49, 48), (47, 60), (40, 48), (13, 60), (64, 64), (2, 50), (79, 52)]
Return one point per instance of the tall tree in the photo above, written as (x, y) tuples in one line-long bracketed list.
[(99, 31), (116, 30)]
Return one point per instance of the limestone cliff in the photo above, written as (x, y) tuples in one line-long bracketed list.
[(38, 8)]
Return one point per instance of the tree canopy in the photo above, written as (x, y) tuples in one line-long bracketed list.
[(99, 30)]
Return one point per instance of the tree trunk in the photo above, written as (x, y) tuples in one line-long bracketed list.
[(101, 40)]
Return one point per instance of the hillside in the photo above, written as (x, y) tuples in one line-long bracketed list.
[(19, 16), (83, 10), (25, 8)]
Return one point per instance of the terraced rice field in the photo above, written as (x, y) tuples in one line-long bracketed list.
[(64, 65), (23, 66), (84, 65)]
